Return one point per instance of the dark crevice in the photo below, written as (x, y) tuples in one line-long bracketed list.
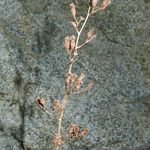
[(19, 141), (17, 79), (22, 132), (13, 133)]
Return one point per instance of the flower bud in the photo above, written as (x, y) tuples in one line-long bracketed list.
[(56, 105), (91, 35), (74, 24), (67, 44), (73, 131), (80, 81), (84, 132), (73, 10), (82, 18), (72, 42), (93, 3), (70, 79), (104, 4)]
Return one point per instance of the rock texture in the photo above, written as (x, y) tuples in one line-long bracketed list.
[(33, 63)]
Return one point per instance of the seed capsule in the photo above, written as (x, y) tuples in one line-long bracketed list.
[(67, 44), (84, 132), (73, 10), (73, 131), (82, 18), (104, 4), (93, 3), (91, 35), (74, 24)]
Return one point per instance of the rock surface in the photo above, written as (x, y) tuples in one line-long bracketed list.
[(33, 63)]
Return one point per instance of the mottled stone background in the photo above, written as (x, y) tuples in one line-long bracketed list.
[(33, 63)]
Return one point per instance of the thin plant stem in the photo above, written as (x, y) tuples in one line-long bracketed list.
[(79, 33), (82, 45), (73, 84)]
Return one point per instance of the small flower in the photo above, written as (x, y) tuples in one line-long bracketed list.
[(93, 3), (70, 80), (56, 104), (73, 131), (73, 10), (80, 81), (91, 35), (67, 44), (81, 18), (105, 4), (74, 24), (83, 133)]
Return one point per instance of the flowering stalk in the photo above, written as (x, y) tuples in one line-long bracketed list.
[(72, 82)]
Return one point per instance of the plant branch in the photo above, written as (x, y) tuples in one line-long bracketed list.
[(79, 33), (73, 83), (82, 45)]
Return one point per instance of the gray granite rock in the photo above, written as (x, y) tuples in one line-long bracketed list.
[(33, 63)]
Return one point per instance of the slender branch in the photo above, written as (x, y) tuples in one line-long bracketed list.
[(78, 37), (82, 45), (79, 33), (50, 114), (70, 66), (94, 11), (77, 30), (61, 115)]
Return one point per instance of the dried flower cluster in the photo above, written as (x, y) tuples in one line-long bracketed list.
[(75, 132), (73, 83), (69, 44), (104, 4)]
